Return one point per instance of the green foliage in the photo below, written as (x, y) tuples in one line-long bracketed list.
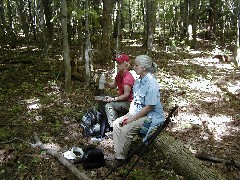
[(78, 13), (67, 110), (141, 174), (21, 166), (71, 112), (45, 100), (39, 87), (16, 109), (27, 86), (57, 128), (4, 134), (36, 159), (45, 137)]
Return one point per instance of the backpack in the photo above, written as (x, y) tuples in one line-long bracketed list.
[(91, 122), (93, 158)]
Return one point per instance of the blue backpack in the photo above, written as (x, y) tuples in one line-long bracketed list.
[(91, 123)]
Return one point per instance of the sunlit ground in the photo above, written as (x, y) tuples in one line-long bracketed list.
[(205, 91)]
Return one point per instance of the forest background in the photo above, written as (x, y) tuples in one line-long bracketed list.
[(52, 53)]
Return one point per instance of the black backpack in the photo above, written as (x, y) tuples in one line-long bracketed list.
[(91, 122), (93, 158)]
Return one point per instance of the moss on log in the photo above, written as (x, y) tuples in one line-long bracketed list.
[(182, 160)]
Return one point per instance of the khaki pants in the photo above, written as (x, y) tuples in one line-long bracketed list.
[(123, 136), (116, 109)]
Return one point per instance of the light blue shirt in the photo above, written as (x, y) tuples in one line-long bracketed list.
[(146, 92)]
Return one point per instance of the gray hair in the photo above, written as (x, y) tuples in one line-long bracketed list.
[(148, 63)]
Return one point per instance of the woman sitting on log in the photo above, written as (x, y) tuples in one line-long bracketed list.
[(145, 110)]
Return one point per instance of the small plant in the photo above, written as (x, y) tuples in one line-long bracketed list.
[(57, 127), (21, 166), (16, 109), (141, 174), (4, 134), (36, 159), (45, 137)]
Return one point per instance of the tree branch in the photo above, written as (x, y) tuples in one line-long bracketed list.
[(217, 160), (60, 158)]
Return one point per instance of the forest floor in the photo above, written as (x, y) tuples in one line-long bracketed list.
[(32, 99)]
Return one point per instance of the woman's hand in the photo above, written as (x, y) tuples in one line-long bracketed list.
[(125, 122)]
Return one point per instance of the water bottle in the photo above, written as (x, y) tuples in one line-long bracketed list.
[(102, 80)]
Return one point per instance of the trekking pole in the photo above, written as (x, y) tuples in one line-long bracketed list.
[(144, 144)]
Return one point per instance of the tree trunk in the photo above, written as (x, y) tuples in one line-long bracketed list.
[(119, 15), (237, 51), (194, 24), (144, 14), (31, 18), (87, 45), (24, 20), (80, 31), (43, 27), (151, 19), (106, 33), (48, 16), (9, 27), (164, 20), (130, 18), (66, 56), (186, 20), (2, 21), (211, 27), (182, 160)]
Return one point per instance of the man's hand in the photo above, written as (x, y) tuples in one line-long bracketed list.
[(109, 99)]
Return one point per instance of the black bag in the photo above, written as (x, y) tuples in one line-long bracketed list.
[(91, 122), (93, 158)]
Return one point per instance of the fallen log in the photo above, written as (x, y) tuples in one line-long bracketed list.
[(61, 159), (214, 159), (182, 161)]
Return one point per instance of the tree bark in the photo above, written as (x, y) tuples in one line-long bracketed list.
[(44, 32), (87, 45), (194, 24), (130, 18), (237, 46), (151, 18), (48, 17), (2, 21), (24, 20), (80, 31), (211, 27), (66, 56), (106, 31), (9, 28), (60, 158), (119, 15), (217, 160), (182, 160)]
